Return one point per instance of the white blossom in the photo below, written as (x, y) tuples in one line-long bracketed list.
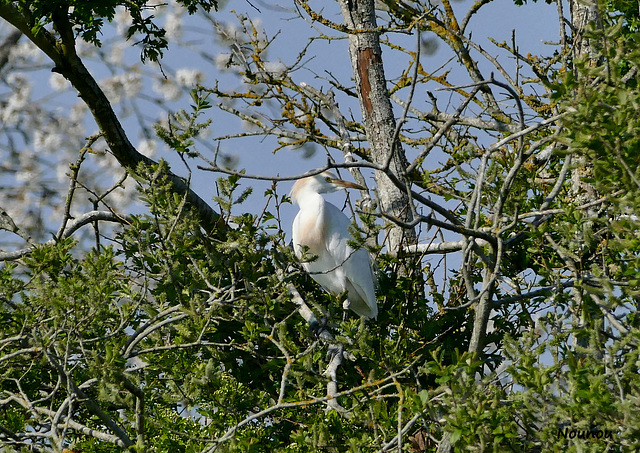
[(122, 86), (48, 139), (189, 77), (123, 20), (169, 90), (173, 25), (115, 55), (147, 147), (205, 133), (78, 112), (27, 169), (275, 68), (122, 197), (229, 32), (62, 170), (224, 61), (18, 101), (58, 82), (85, 49), (25, 50)]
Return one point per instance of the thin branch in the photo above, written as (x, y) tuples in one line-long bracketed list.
[(544, 291), (610, 317), (73, 183), (433, 248), (443, 130), (407, 104), (312, 401), (89, 403), (67, 63), (287, 366), (478, 123), (146, 329), (91, 432), (7, 223), (336, 352), (397, 439), (7, 46), (79, 222)]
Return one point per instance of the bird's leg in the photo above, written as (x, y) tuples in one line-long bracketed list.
[(333, 351), (345, 305)]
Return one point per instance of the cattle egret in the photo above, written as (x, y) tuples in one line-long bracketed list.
[(322, 230)]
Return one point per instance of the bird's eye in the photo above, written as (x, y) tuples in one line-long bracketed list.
[(327, 178)]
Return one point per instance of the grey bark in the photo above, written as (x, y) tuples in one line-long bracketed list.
[(379, 121), (584, 13)]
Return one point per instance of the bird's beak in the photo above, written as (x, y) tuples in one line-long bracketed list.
[(347, 184)]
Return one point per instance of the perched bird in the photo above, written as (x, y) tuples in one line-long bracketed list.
[(322, 230)]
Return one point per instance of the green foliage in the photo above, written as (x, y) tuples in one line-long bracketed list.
[(612, 111), (575, 391), (88, 17), (182, 129), (204, 328), (185, 340), (628, 11)]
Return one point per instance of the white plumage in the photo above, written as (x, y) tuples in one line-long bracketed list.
[(324, 229)]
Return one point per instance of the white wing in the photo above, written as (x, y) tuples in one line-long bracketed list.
[(338, 267)]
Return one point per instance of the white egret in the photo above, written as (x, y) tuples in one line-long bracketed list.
[(323, 230)]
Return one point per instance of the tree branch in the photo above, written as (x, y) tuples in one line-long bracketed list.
[(89, 403), (79, 222), (67, 422), (66, 62), (7, 45)]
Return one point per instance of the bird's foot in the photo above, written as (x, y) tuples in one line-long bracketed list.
[(319, 328), (335, 351)]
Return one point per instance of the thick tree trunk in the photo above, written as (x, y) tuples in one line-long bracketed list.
[(584, 12), (379, 121)]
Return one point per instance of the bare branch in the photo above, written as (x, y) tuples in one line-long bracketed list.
[(87, 431), (312, 401), (79, 222), (68, 64), (7, 45), (433, 248)]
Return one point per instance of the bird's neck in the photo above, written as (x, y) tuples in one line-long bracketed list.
[(310, 200)]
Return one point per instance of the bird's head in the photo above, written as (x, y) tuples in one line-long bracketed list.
[(325, 182)]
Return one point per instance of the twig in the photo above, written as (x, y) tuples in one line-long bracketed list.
[(151, 326), (89, 403), (439, 247), (78, 223), (7, 223), (405, 110), (612, 319), (287, 366), (397, 439), (91, 432), (73, 182), (312, 401), (441, 117), (443, 130), (337, 355), (66, 62)]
